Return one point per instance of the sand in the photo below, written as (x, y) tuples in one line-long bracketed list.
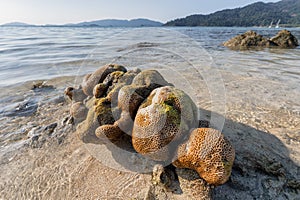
[(262, 121)]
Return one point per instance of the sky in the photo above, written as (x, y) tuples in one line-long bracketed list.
[(72, 11)]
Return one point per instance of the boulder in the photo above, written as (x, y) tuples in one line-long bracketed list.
[(250, 40), (209, 153), (285, 39), (161, 121)]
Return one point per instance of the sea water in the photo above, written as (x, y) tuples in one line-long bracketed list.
[(32, 54)]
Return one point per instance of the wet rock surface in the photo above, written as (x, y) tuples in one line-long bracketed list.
[(252, 40)]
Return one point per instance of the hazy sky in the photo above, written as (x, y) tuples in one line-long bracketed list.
[(68, 11)]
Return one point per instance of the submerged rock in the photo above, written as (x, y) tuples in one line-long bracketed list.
[(41, 85), (250, 39), (285, 39)]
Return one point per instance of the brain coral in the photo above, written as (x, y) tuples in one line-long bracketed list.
[(98, 76), (162, 120), (157, 117), (209, 153)]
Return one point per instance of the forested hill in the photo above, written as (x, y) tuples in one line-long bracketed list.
[(256, 14)]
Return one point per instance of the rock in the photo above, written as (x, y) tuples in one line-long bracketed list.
[(75, 95), (209, 153), (86, 129), (285, 39), (249, 39), (140, 112), (41, 85), (162, 177), (109, 132), (193, 186), (91, 80), (162, 120), (78, 111), (150, 78), (103, 110), (48, 130), (99, 90), (39, 135), (161, 181), (130, 98)]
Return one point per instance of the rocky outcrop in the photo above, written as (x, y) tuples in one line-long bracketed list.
[(285, 39), (144, 111), (250, 40)]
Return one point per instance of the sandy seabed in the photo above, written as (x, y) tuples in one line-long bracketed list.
[(262, 121)]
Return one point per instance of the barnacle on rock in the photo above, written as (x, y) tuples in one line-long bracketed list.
[(209, 153)]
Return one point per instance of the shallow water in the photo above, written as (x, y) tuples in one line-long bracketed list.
[(29, 54), (254, 90)]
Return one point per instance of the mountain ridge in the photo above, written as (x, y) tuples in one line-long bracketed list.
[(256, 14), (139, 22)]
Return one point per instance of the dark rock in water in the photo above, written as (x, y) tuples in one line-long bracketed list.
[(20, 109), (250, 40), (48, 130), (41, 85), (285, 39), (43, 135)]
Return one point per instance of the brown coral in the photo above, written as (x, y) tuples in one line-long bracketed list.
[(159, 118), (161, 121), (109, 132), (285, 39), (209, 153), (91, 80)]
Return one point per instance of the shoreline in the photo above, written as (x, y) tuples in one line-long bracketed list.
[(262, 130)]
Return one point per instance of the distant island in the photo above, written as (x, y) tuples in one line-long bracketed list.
[(100, 23), (287, 12), (16, 24)]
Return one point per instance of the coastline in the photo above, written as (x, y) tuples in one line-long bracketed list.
[(262, 123)]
